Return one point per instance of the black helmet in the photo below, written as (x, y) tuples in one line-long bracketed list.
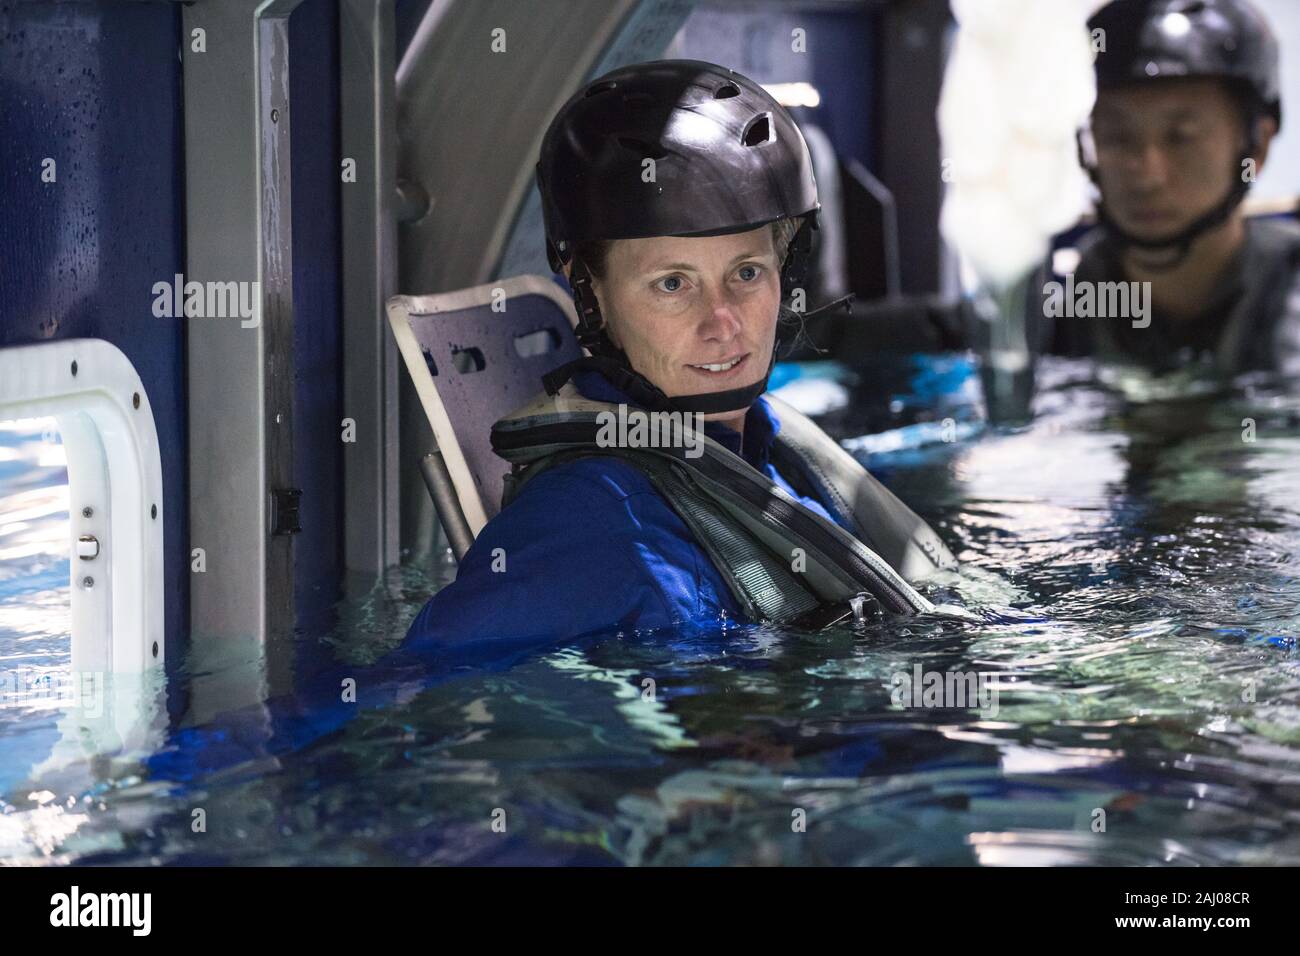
[(727, 157), (1147, 40), (1222, 39)]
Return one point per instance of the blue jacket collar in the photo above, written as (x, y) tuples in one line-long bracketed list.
[(761, 426)]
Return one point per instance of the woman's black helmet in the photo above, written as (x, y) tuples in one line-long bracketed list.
[(671, 148)]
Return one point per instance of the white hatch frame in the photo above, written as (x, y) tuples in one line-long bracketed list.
[(92, 391)]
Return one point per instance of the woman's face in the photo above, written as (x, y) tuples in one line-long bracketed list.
[(694, 314)]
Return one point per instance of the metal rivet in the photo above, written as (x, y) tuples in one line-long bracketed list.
[(87, 511), (87, 583), (74, 367), (155, 648), (135, 400), (153, 511), (275, 116)]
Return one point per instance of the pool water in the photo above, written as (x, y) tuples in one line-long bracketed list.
[(1131, 560)]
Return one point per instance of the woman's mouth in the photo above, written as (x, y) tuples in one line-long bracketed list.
[(721, 370)]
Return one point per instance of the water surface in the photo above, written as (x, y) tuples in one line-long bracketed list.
[(1131, 559)]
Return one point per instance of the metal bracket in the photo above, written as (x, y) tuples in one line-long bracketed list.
[(284, 510)]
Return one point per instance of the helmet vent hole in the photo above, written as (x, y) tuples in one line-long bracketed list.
[(758, 131), (642, 148), (726, 91), (598, 88)]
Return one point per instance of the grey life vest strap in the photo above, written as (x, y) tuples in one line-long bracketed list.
[(764, 586), (882, 522), (757, 527)]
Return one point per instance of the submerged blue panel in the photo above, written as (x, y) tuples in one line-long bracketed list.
[(317, 308), (96, 88)]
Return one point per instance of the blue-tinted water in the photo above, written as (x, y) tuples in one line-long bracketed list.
[(1132, 561)]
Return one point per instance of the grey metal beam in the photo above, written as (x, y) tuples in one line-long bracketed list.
[(370, 371), (239, 378), (275, 232)]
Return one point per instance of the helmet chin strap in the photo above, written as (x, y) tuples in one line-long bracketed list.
[(613, 364), (591, 326), (1180, 244), (645, 393)]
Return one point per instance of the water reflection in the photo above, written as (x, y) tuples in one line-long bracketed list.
[(1132, 563)]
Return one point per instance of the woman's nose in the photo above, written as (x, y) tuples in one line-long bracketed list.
[(721, 318)]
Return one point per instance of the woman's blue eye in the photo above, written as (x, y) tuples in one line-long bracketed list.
[(675, 280), (748, 273)]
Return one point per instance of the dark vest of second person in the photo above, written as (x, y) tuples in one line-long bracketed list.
[(1251, 324)]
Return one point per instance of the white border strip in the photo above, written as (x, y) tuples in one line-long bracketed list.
[(115, 472)]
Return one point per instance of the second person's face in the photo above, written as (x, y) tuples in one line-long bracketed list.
[(1167, 153)]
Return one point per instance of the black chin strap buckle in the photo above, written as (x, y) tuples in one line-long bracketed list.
[(590, 331)]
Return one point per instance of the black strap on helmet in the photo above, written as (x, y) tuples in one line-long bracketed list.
[(591, 326)]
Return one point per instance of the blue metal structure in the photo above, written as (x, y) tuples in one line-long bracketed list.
[(95, 176), (79, 254), (317, 335), (97, 89)]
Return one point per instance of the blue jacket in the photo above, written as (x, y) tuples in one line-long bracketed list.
[(589, 545)]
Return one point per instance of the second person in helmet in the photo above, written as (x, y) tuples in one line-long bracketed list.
[(1188, 103), (679, 201)]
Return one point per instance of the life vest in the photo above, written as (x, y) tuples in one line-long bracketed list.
[(1262, 328), (781, 560)]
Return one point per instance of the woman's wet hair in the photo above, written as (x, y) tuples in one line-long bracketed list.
[(595, 253)]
